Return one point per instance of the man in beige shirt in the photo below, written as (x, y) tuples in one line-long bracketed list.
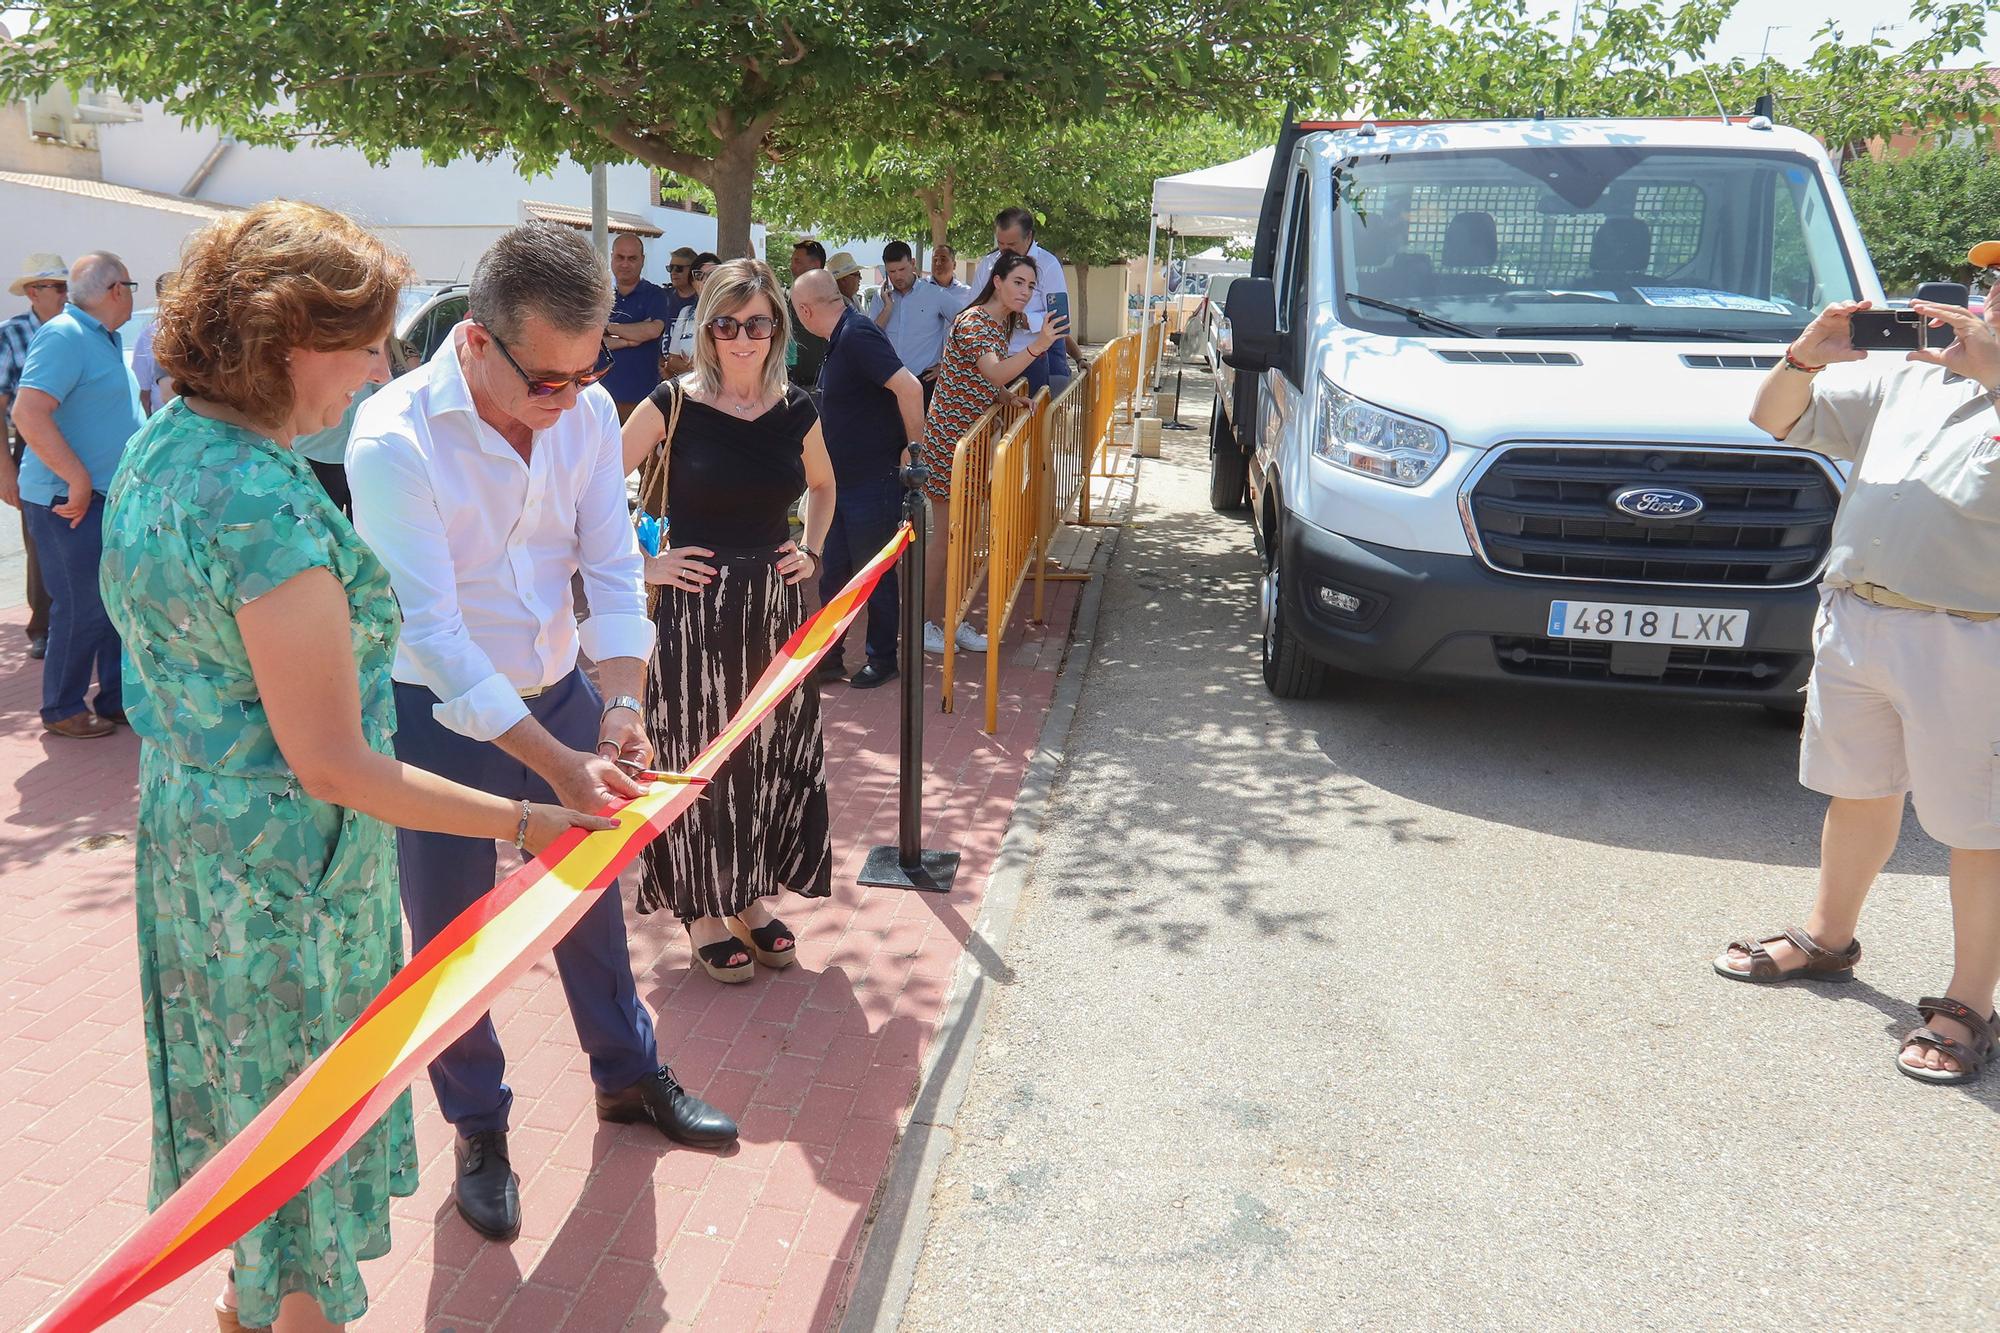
[(1905, 692)]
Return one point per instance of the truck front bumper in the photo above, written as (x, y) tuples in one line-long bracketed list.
[(1424, 614)]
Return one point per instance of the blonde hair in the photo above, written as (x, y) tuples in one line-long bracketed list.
[(731, 287), (255, 285)]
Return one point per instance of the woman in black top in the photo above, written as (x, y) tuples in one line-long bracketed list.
[(744, 445)]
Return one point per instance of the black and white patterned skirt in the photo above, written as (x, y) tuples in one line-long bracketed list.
[(761, 825)]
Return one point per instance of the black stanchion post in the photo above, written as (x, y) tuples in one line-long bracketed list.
[(908, 865)]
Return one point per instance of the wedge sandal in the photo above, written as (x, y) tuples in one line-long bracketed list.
[(765, 939), (715, 960), (1820, 965), (1971, 1056)]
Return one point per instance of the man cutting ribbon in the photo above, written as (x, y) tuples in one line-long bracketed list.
[(485, 481)]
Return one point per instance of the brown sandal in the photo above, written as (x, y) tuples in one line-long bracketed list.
[(1971, 1059), (1820, 965)]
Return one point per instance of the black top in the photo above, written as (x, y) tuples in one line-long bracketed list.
[(731, 480), (864, 425)]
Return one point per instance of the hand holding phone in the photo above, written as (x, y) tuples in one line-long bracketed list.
[(1896, 331)]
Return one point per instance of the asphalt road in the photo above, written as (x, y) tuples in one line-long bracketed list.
[(1393, 1010)]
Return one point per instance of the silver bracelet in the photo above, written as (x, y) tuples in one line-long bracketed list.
[(521, 833)]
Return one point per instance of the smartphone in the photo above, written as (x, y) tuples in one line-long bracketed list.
[(1895, 331), (1059, 304)]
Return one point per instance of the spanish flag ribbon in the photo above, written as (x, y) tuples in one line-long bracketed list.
[(437, 995)]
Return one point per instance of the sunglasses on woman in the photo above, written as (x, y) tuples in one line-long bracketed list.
[(547, 386), (759, 327)]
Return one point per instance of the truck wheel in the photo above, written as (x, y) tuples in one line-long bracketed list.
[(1228, 469), (1290, 672)]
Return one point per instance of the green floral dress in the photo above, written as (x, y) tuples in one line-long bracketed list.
[(267, 919)]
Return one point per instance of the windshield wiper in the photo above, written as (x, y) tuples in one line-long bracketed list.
[(1629, 331), (1421, 318)]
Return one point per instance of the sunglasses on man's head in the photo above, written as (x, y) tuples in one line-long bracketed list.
[(759, 327), (547, 386)]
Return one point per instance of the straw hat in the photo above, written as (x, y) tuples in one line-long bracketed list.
[(842, 265), (39, 268)]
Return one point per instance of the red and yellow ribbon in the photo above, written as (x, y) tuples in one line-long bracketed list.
[(431, 1002)]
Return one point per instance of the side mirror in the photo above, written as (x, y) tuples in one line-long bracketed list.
[(1945, 293), (1252, 311)]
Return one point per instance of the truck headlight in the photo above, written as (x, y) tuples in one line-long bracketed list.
[(1374, 441)]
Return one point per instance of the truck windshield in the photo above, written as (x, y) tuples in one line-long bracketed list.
[(1588, 241)]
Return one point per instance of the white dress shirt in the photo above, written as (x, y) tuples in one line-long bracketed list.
[(481, 546), (919, 322), (1048, 280)]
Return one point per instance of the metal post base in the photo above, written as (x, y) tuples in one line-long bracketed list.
[(934, 872)]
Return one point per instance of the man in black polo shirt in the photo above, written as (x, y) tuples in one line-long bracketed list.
[(872, 416)]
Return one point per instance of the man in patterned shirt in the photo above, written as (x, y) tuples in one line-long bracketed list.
[(44, 281)]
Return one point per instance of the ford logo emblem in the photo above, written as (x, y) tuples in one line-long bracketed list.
[(1658, 503)]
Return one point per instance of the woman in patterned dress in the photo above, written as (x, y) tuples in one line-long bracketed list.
[(744, 445), (261, 631), (974, 371)]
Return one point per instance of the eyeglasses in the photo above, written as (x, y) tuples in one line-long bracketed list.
[(678, 268), (704, 271), (46, 287), (128, 285), (540, 386), (759, 327)]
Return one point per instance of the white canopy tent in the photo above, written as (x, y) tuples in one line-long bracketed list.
[(1222, 200)]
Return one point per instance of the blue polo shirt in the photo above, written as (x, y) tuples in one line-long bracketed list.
[(635, 371), (79, 363), (858, 414)]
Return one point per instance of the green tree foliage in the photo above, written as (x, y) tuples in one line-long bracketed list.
[(1921, 213), (1487, 58), (1090, 183), (709, 90)]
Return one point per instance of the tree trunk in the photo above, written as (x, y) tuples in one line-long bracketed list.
[(734, 182), (937, 202)]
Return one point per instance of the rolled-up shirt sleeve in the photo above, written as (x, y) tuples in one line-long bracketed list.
[(1846, 399), (614, 573), (397, 515)]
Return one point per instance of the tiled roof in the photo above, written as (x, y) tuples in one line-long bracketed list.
[(120, 194), (580, 217)]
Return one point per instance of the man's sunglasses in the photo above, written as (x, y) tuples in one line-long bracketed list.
[(759, 327), (45, 286), (679, 268), (540, 386)]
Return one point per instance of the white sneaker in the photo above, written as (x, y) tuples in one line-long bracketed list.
[(933, 637), (971, 639)]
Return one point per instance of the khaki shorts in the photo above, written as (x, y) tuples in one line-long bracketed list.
[(1907, 701)]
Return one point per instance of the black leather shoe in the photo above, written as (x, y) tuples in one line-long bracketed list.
[(660, 1101), (872, 675), (38, 647), (831, 670), (488, 1191)]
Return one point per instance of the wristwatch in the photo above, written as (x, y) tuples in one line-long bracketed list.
[(623, 701), (803, 549)]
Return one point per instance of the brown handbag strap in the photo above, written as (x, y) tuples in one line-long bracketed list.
[(653, 481)]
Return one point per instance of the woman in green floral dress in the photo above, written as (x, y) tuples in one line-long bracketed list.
[(261, 632)]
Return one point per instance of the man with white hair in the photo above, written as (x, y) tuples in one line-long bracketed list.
[(77, 407), (44, 281)]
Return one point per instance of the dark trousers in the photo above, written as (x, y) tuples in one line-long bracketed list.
[(38, 593), (865, 515), (443, 875), (82, 641), (333, 480)]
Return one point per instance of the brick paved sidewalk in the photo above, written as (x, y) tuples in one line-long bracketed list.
[(620, 1229)]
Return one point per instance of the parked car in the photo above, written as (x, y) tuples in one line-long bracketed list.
[(425, 317), (1489, 409)]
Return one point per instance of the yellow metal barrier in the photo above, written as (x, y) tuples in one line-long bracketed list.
[(968, 525), (1015, 512)]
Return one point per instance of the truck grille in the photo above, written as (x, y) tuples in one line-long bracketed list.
[(1688, 668), (1545, 511)]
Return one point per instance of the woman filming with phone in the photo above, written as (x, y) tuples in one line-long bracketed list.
[(1905, 689), (974, 371)]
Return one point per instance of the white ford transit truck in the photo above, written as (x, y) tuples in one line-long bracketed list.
[(1486, 396)]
